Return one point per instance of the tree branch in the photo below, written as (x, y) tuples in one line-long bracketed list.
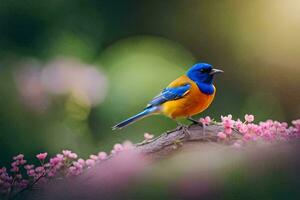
[(183, 137)]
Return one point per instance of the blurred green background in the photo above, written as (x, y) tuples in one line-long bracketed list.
[(70, 70)]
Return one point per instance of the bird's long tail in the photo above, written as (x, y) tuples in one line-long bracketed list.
[(141, 115)]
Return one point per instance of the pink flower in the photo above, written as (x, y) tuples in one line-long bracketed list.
[(249, 118), (31, 172), (39, 169), (73, 156), (18, 157), (296, 123), (15, 164), (47, 165), (238, 123), (247, 136), (222, 135), (51, 173), (78, 165), (81, 161), (22, 162), (227, 124), (227, 121), (284, 124), (205, 121), (267, 135), (102, 155), (243, 128), (2, 170), (73, 171), (148, 136), (228, 131), (66, 153), (127, 145), (118, 147), (60, 156), (94, 157), (54, 161), (69, 154), (41, 156), (89, 163), (28, 167), (15, 169)]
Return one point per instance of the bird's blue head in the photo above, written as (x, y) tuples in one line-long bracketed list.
[(203, 75)]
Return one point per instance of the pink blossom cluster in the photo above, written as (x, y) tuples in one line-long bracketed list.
[(127, 145), (206, 120), (268, 131), (16, 178), (22, 175)]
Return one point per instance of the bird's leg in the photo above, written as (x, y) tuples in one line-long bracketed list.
[(186, 131), (199, 123), (183, 128), (195, 121), (179, 125)]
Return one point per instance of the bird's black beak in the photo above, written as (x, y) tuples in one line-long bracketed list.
[(216, 71)]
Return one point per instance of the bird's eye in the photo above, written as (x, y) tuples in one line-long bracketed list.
[(205, 70)]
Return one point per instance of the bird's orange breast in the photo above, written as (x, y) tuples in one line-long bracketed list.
[(190, 104)]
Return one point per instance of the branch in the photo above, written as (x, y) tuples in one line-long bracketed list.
[(184, 136)]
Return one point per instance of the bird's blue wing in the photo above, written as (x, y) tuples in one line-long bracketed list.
[(170, 93)]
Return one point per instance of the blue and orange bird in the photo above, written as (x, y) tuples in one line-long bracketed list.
[(186, 96)]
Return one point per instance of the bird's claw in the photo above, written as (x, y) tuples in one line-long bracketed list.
[(184, 129), (195, 122)]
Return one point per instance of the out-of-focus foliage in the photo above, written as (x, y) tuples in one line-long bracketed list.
[(69, 70)]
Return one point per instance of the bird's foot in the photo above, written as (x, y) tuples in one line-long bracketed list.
[(184, 129), (198, 123), (195, 121)]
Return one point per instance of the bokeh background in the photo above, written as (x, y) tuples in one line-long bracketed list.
[(70, 70)]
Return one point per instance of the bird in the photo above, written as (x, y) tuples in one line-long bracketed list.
[(186, 96)]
